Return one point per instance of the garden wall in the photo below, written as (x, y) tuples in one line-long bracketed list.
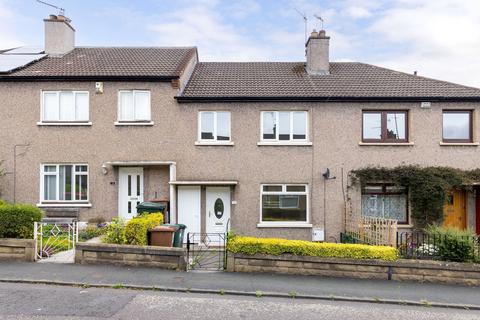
[(401, 270), (17, 249), (148, 256)]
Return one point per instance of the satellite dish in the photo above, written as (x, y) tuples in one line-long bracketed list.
[(327, 175)]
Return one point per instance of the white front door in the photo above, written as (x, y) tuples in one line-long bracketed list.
[(130, 191), (188, 209), (217, 209)]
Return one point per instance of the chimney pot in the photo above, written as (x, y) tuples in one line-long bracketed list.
[(59, 35), (318, 61)]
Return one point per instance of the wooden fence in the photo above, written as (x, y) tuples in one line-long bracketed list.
[(374, 231)]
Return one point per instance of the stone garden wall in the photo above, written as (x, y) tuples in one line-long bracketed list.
[(17, 249), (149, 256), (401, 270)]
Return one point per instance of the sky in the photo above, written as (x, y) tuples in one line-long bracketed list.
[(437, 38)]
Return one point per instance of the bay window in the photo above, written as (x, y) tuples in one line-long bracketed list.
[(385, 201), (64, 183), (284, 126), (134, 106), (284, 203), (65, 106)]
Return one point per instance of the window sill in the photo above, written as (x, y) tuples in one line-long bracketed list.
[(388, 144), (273, 143), (64, 205), (133, 123), (284, 225), (214, 143), (465, 144), (64, 124)]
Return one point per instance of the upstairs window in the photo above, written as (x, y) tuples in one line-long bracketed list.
[(457, 126), (385, 126), (284, 203), (134, 106), (214, 126), (65, 106), (64, 183), (385, 201), (286, 126)]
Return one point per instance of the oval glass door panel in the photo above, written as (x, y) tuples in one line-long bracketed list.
[(218, 208)]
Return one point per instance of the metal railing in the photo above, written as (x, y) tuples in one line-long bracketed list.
[(421, 245), (206, 251)]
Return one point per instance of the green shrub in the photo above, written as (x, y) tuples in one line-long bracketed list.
[(115, 232), (274, 246), (452, 244), (137, 228), (3, 202), (16, 220), (90, 232)]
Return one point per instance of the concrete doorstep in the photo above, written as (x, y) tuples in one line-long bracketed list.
[(259, 285)]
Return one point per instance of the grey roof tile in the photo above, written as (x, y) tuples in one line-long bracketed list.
[(112, 62), (289, 79)]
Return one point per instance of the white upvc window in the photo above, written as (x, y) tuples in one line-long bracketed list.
[(65, 107), (284, 126), (134, 106), (284, 204), (64, 183), (214, 126)]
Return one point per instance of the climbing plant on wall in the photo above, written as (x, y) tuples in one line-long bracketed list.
[(428, 186)]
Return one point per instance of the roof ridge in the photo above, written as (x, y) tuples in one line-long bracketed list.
[(135, 47)]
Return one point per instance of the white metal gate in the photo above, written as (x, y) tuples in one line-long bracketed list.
[(55, 240)]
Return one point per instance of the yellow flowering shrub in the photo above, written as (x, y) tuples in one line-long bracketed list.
[(136, 229), (276, 246)]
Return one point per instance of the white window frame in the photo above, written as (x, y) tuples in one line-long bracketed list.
[(43, 122), (74, 202), (276, 140), (213, 141), (292, 224), (120, 122)]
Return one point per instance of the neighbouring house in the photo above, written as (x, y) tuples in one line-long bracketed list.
[(93, 131)]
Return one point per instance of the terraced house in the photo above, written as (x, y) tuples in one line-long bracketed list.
[(261, 147)]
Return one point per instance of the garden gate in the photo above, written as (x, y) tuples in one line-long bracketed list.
[(206, 251), (55, 240)]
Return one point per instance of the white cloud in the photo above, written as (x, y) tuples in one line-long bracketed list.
[(358, 12), (204, 26), (8, 37), (440, 39)]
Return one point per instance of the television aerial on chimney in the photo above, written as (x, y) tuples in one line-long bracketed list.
[(305, 20), (61, 11), (319, 19)]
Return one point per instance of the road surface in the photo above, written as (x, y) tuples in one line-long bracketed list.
[(38, 301)]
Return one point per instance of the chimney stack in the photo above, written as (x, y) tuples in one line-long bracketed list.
[(318, 53), (59, 35)]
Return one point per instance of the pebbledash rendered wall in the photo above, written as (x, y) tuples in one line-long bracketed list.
[(334, 130)]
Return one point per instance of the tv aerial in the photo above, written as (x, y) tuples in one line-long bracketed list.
[(305, 21), (319, 19), (61, 11)]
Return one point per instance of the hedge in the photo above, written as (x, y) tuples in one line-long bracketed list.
[(275, 246), (137, 228), (16, 220)]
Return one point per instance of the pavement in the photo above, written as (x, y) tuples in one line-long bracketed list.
[(307, 287), (38, 301)]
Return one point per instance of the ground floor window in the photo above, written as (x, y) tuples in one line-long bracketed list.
[(284, 203), (385, 201), (64, 182)]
